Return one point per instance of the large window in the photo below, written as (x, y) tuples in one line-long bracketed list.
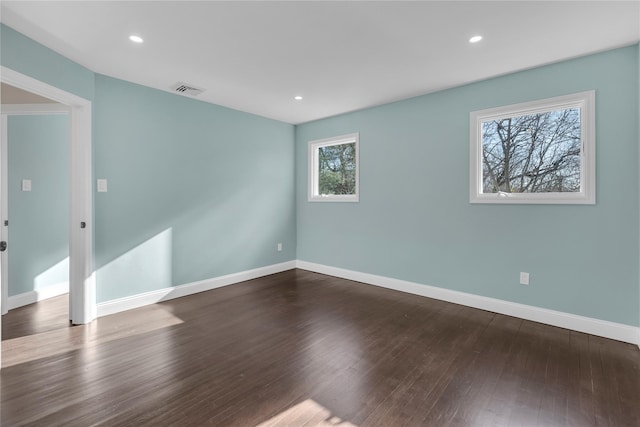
[(333, 169), (536, 152)]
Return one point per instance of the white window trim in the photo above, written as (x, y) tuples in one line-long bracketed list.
[(313, 168), (587, 194)]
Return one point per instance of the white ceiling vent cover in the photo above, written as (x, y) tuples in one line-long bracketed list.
[(186, 89)]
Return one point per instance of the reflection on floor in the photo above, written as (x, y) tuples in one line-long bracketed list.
[(47, 315), (307, 413), (299, 348)]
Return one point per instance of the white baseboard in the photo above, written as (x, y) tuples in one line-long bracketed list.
[(139, 300), (602, 328), (31, 297)]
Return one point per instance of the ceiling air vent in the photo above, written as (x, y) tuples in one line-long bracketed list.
[(186, 89)]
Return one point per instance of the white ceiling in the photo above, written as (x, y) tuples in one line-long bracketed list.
[(340, 56)]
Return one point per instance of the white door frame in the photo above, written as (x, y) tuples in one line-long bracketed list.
[(4, 213), (82, 292)]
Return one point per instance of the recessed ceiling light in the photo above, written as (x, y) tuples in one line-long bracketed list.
[(297, 98), (135, 39), (475, 39)]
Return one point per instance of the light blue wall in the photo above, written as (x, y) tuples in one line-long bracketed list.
[(414, 221), (25, 56), (38, 149), (195, 190)]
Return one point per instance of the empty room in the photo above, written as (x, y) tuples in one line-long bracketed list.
[(320, 213)]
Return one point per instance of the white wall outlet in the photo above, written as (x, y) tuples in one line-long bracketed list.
[(279, 247), (102, 186), (524, 278), (26, 185)]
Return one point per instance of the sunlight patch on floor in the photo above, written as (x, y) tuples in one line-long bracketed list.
[(309, 414), (84, 337)]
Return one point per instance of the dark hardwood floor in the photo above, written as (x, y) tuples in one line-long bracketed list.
[(304, 349), (33, 319)]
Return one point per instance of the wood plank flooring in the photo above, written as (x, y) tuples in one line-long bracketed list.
[(304, 349)]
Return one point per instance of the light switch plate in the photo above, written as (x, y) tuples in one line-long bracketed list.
[(102, 186), (26, 185)]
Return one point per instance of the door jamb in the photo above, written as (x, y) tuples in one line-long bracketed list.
[(82, 303), (4, 187)]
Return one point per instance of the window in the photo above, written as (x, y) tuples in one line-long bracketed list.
[(535, 152), (333, 169)]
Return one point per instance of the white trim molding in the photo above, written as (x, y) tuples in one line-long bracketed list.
[(585, 102), (32, 297), (82, 299), (34, 109), (602, 328), (4, 213), (135, 301), (314, 165)]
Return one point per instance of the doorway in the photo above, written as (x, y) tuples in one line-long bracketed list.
[(82, 301), (35, 173)]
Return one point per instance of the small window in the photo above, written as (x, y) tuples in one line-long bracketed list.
[(535, 152), (333, 169)]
